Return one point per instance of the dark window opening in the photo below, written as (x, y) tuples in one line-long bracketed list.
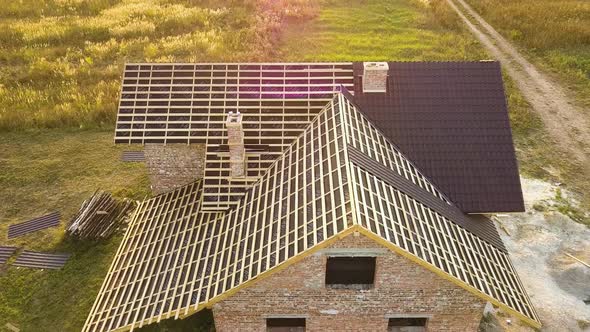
[(350, 272), (285, 324), (413, 324)]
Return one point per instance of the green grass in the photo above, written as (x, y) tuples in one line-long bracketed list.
[(61, 61), (556, 34), (60, 67), (57, 170), (381, 30)]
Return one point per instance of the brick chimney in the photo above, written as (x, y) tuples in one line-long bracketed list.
[(375, 76), (235, 140)]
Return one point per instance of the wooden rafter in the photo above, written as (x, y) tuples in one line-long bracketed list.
[(188, 103), (177, 259), (420, 230)]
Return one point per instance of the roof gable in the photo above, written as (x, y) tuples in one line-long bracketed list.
[(176, 259)]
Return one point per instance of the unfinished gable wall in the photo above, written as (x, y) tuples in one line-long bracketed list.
[(173, 165), (401, 287)]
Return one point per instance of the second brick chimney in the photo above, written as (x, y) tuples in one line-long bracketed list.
[(375, 76), (235, 140)]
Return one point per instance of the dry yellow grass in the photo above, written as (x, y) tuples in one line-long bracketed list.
[(555, 33), (60, 61)]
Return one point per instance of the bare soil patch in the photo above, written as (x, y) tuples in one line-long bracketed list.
[(539, 241)]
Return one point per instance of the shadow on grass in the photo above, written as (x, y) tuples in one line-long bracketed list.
[(57, 300), (60, 300), (202, 321)]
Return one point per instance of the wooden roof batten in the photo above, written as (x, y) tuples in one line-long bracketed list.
[(310, 196), (430, 110), (188, 103)]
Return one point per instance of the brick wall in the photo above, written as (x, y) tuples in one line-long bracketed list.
[(401, 287), (173, 165)]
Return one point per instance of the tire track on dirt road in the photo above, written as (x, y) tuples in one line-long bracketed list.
[(566, 124)]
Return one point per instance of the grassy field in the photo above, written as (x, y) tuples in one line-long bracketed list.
[(556, 34), (381, 30), (60, 65), (44, 172), (60, 61)]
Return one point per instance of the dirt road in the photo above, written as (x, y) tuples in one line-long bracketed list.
[(567, 124)]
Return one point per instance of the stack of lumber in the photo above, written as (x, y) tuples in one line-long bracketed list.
[(99, 217)]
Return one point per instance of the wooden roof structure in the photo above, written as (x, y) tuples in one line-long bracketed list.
[(189, 103), (177, 258), (450, 118)]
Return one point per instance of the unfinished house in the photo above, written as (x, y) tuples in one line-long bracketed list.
[(317, 197)]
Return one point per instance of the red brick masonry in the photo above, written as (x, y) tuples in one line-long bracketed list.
[(173, 165), (401, 287)]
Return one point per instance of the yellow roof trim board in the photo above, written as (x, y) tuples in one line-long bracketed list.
[(291, 261), (177, 259)]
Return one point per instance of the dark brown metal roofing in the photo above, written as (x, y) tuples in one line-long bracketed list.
[(33, 225), (451, 120), (483, 228), (41, 260), (6, 253), (132, 156)]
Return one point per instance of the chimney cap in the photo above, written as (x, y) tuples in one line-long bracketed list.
[(376, 65), (234, 118)]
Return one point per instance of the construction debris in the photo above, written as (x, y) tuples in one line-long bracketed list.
[(41, 260), (99, 217), (577, 259), (33, 225), (11, 327), (502, 227)]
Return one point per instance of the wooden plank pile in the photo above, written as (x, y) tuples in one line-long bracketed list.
[(99, 217)]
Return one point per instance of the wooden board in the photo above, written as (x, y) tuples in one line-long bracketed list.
[(188, 103)]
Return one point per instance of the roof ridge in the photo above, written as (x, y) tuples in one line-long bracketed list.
[(312, 193)]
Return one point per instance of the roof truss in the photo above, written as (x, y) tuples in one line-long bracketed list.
[(176, 259)]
